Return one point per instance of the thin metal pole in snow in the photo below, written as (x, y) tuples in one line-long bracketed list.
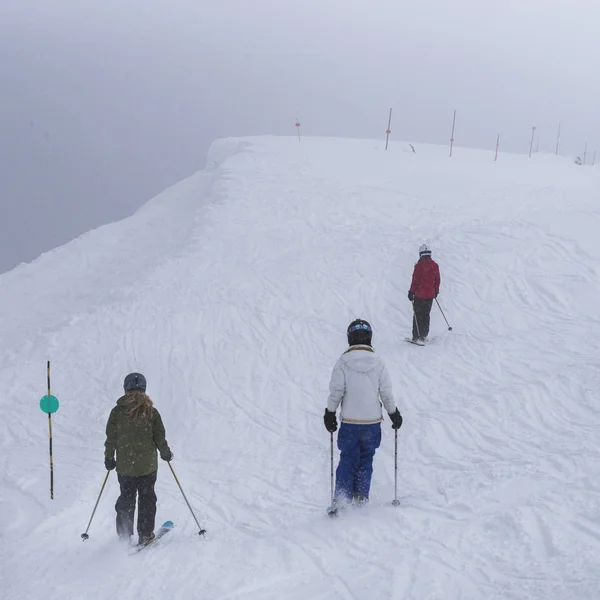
[(85, 536), (50, 439), (584, 153), (557, 138), (531, 145), (201, 530), (443, 315), (415, 319), (388, 130), (452, 136), (49, 404), (396, 502), (298, 128), (497, 146), (331, 456)]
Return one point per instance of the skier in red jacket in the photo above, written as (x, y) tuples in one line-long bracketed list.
[(424, 288)]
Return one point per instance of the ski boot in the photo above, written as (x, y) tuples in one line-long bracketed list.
[(145, 539), (360, 500)]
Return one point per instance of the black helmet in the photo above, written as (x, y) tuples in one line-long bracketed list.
[(134, 381), (359, 332)]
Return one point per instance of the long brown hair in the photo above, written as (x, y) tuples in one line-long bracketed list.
[(140, 405)]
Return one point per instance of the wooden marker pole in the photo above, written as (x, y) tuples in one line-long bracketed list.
[(531, 144), (49, 404), (452, 136), (388, 130)]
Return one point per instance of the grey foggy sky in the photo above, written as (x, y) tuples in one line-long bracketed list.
[(104, 104)]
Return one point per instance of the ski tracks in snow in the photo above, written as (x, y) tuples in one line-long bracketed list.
[(237, 321)]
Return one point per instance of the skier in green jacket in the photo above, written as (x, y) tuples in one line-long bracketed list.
[(135, 431)]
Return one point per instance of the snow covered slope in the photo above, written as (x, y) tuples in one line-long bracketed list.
[(232, 292)]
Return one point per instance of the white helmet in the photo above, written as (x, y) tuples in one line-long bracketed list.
[(424, 250)]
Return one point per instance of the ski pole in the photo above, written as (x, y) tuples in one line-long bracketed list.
[(201, 531), (396, 502), (331, 453), (443, 315), (415, 318), (85, 535)]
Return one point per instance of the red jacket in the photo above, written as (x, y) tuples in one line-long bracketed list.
[(426, 279)]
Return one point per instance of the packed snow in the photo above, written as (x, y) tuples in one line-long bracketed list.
[(231, 292)]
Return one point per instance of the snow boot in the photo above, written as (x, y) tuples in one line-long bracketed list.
[(144, 539)]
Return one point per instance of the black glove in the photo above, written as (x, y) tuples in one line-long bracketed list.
[(436, 293), (396, 418), (411, 296), (110, 463), (168, 456), (330, 421)]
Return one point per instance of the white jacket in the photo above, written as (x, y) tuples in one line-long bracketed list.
[(358, 381)]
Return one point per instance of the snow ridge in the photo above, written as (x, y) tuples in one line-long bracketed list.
[(232, 291)]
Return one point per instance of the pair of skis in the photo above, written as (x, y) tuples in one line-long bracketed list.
[(415, 342)]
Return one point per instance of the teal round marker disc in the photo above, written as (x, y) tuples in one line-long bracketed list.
[(49, 404)]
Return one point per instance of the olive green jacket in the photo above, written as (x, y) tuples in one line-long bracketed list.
[(135, 441)]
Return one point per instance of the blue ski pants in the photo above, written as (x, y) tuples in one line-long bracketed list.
[(357, 445)]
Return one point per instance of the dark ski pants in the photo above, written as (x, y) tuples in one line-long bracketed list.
[(422, 308), (357, 445), (142, 486)]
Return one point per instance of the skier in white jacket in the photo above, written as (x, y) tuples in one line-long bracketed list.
[(360, 382)]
